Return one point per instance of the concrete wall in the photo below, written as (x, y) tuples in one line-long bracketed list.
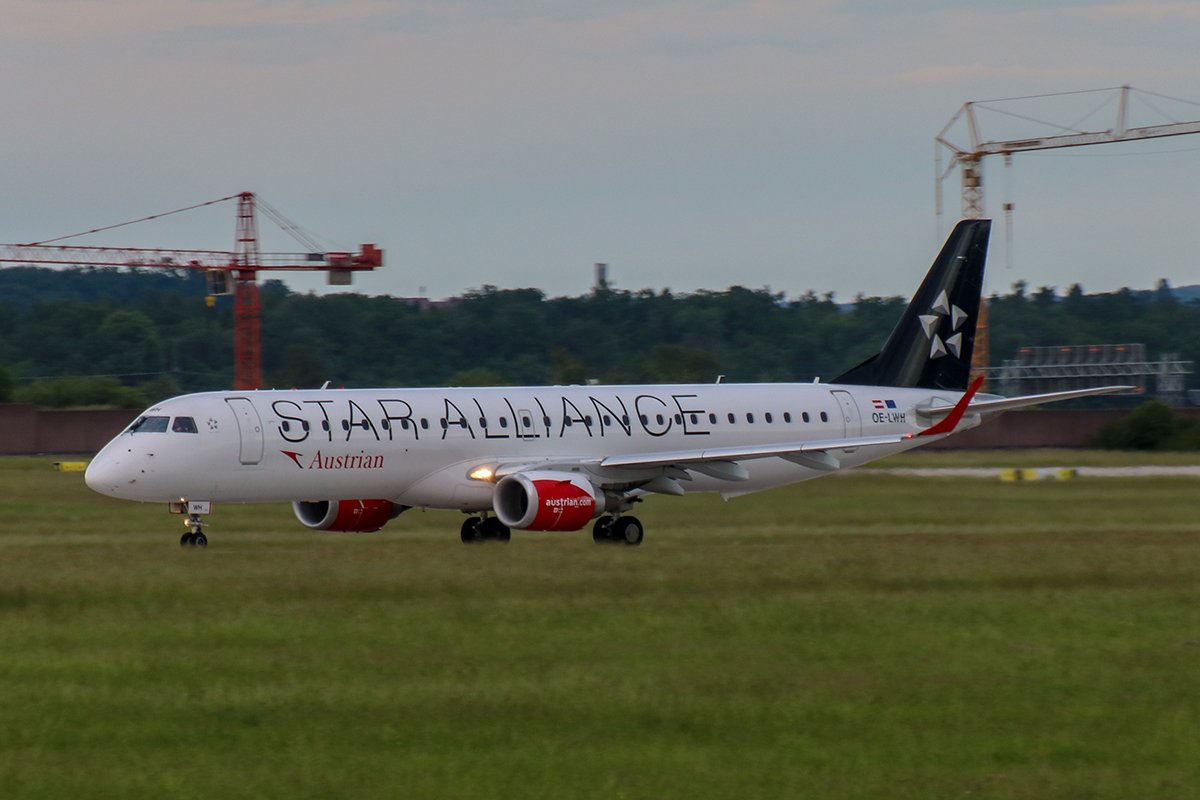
[(26, 430), (1047, 427)]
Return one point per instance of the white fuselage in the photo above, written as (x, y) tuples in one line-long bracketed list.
[(417, 447)]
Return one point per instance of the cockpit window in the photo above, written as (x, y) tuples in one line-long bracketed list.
[(149, 425), (184, 425)]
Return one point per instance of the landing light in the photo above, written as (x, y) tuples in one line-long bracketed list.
[(484, 473)]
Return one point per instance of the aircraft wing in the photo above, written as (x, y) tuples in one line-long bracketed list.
[(716, 462), (814, 454), (802, 452)]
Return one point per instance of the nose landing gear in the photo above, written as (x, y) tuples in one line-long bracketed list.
[(195, 534), (195, 526)]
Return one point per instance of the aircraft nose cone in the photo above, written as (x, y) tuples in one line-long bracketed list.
[(101, 475)]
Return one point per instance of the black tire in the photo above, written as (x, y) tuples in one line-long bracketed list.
[(628, 530), (200, 541), (186, 540), (492, 528), (471, 533), (602, 531)]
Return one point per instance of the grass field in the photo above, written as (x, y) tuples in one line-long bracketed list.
[(854, 637)]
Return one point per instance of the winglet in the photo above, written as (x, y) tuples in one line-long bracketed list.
[(948, 424)]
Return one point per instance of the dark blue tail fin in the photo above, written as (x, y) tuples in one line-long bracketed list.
[(932, 344)]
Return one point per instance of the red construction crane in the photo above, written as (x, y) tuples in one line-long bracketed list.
[(244, 263)]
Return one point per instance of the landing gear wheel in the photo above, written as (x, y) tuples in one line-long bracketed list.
[(628, 530), (492, 528), (193, 539), (602, 530), (472, 532)]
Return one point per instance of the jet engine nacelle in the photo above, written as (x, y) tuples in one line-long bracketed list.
[(361, 516), (547, 501)]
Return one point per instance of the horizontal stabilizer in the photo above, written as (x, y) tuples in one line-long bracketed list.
[(1025, 401)]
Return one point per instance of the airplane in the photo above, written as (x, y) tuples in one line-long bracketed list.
[(556, 458)]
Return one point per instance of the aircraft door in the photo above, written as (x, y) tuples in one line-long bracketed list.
[(249, 429), (850, 413)]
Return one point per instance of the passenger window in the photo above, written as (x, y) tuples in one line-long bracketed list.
[(787, 416), (767, 416), (185, 425), (149, 425), (504, 422), (749, 418), (824, 417), (804, 416), (732, 418), (712, 418)]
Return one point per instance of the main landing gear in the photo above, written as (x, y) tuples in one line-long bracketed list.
[(607, 530), (618, 530), (476, 530)]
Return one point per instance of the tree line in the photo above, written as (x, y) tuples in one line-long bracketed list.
[(128, 337)]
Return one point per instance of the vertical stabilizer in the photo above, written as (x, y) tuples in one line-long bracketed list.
[(931, 346)]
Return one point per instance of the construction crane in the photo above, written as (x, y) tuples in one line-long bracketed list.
[(968, 156), (243, 264)]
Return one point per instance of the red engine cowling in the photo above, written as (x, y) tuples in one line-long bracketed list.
[(547, 501), (361, 516)]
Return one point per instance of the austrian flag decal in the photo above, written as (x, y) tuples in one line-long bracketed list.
[(884, 403)]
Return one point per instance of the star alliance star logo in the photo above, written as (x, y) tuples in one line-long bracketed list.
[(952, 345)]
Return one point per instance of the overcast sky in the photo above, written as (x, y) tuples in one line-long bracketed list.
[(689, 144)]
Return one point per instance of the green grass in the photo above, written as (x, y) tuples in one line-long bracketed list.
[(1043, 457), (853, 637)]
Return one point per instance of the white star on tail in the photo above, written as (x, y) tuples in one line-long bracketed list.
[(942, 307)]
